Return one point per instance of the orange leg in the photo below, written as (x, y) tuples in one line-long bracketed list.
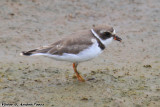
[(79, 77)]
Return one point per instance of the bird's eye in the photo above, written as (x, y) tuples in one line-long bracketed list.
[(105, 35), (108, 34)]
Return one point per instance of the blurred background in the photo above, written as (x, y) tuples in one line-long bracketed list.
[(126, 74)]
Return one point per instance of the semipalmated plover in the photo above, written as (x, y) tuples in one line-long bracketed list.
[(79, 47)]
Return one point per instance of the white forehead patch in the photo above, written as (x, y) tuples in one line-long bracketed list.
[(114, 31)]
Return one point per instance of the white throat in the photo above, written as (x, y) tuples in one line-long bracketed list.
[(104, 42)]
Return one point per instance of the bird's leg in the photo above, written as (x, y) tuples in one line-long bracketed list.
[(79, 77)]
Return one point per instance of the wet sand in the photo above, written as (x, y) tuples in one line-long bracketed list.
[(126, 74)]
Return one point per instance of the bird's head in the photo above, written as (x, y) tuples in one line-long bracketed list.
[(105, 34)]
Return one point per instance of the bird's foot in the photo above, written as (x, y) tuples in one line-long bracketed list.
[(80, 78)]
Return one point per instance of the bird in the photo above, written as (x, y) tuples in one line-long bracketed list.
[(78, 47)]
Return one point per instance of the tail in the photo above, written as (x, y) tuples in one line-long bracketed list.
[(28, 53), (38, 51)]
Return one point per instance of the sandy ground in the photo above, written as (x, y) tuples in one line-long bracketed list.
[(127, 74)]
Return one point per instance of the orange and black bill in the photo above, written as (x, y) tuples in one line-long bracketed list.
[(117, 38)]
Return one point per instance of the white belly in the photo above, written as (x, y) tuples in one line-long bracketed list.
[(87, 54)]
